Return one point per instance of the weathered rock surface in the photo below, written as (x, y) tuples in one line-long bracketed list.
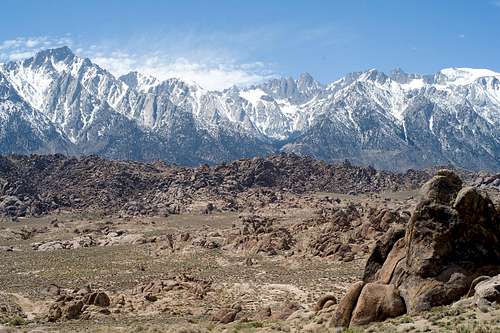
[(453, 237), (227, 315), (77, 303), (285, 311), (342, 316), (487, 294), (376, 303), (381, 251), (322, 302)]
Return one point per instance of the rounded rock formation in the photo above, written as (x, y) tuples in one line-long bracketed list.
[(452, 238)]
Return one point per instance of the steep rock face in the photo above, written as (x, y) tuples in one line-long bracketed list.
[(102, 115), (446, 248), (452, 238), (138, 81), (396, 121), (25, 130), (371, 118)]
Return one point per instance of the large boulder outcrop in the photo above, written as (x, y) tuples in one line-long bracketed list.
[(377, 302), (380, 252), (452, 238), (342, 316)]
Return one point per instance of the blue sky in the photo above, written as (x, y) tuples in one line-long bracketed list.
[(220, 43)]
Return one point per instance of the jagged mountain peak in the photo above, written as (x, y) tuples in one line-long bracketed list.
[(52, 59), (447, 76), (138, 81), (298, 90), (402, 77), (307, 84), (306, 78), (374, 75), (62, 52), (394, 120), (179, 87)]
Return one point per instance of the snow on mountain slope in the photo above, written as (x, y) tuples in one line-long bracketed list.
[(396, 120), (254, 96), (138, 81), (24, 130), (463, 76)]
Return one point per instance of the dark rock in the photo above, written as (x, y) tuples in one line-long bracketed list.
[(132, 188), (380, 252), (442, 188), (101, 299), (226, 315), (72, 310)]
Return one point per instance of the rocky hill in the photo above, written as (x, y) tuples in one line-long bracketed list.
[(38, 184)]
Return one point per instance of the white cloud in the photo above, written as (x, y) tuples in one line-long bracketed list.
[(14, 56), (213, 70), (34, 43), (496, 3), (24, 47), (209, 75)]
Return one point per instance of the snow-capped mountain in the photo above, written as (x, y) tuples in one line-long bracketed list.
[(139, 81), (23, 129), (394, 120)]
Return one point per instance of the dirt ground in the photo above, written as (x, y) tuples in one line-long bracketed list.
[(211, 263)]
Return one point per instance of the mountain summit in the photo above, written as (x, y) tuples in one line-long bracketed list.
[(398, 120)]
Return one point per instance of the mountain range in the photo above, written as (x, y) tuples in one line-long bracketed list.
[(57, 102)]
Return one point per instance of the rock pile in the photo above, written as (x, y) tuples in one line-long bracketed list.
[(37, 185), (90, 240), (452, 238), (79, 303), (488, 182), (226, 315), (259, 235), (195, 286)]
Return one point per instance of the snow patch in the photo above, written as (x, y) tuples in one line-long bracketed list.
[(413, 84), (253, 96), (465, 76), (288, 108), (31, 84)]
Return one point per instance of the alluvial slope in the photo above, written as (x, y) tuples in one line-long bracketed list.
[(394, 121)]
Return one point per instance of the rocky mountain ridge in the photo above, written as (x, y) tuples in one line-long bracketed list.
[(39, 184), (392, 121)]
